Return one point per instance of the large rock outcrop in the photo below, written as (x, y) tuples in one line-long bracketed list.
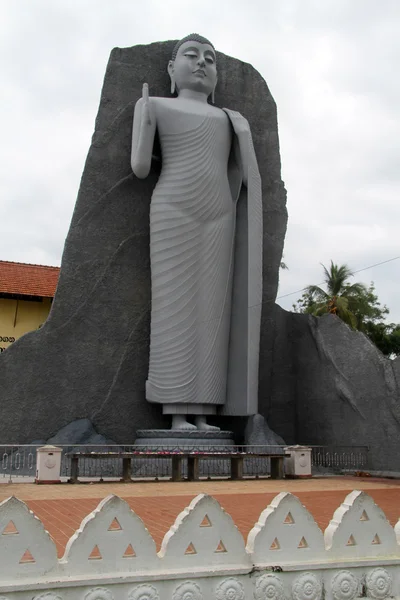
[(330, 385), (90, 359)]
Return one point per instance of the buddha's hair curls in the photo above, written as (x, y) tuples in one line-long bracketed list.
[(192, 37)]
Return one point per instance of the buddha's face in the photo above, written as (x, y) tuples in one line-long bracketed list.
[(194, 67)]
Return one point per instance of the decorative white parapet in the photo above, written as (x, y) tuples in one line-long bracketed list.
[(203, 556), (359, 529), (205, 536), (285, 533), (112, 539), (26, 549)]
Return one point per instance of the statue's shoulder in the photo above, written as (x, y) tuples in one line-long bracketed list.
[(239, 122), (234, 114), (161, 101), (162, 106)]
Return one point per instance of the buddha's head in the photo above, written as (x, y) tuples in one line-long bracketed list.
[(193, 65)]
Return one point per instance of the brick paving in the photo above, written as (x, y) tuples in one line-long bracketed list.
[(61, 508)]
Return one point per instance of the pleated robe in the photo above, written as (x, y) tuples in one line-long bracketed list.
[(206, 273)]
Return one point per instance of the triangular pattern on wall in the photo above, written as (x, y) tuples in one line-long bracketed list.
[(27, 557), (108, 537), (288, 520), (115, 525), (360, 528), (205, 528), (26, 548), (351, 541), (129, 552), (95, 554), (376, 540), (10, 529), (191, 549), (287, 526), (275, 545), (220, 547), (206, 522)]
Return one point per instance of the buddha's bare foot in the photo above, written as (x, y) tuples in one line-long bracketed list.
[(179, 422), (202, 424)]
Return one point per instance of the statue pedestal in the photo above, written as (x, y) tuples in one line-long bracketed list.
[(178, 439)]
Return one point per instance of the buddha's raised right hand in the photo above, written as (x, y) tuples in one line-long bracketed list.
[(143, 130), (148, 112)]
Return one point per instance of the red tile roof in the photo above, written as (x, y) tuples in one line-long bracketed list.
[(28, 280)]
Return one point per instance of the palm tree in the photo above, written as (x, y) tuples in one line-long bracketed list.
[(341, 298)]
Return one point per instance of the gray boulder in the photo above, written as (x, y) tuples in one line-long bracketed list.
[(330, 385), (80, 432), (258, 433)]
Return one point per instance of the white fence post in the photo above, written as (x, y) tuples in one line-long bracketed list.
[(48, 464)]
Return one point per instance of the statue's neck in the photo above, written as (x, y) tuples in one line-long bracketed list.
[(193, 95)]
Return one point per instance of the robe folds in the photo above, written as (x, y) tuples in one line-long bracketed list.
[(206, 273)]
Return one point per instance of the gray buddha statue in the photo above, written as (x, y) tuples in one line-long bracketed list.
[(205, 245)]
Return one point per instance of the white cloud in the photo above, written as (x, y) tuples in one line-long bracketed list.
[(331, 67)]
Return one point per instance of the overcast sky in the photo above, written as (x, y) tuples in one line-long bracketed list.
[(331, 65)]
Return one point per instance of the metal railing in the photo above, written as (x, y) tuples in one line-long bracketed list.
[(339, 458), (18, 462)]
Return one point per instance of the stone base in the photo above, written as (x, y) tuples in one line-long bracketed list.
[(47, 481), (177, 439)]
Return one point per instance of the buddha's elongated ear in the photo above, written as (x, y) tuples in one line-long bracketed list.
[(170, 70)]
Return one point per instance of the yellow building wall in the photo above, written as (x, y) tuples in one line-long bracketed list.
[(20, 316)]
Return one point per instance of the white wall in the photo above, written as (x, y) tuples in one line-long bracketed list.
[(203, 556)]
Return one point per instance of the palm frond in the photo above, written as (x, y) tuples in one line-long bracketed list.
[(344, 312), (316, 293), (335, 277)]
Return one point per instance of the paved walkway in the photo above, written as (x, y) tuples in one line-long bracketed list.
[(61, 508)]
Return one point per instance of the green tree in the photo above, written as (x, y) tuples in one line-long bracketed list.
[(369, 309), (341, 298), (386, 336), (354, 303)]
